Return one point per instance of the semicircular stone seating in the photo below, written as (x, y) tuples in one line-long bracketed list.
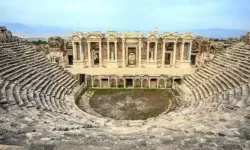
[(29, 81), (217, 96), (37, 101)]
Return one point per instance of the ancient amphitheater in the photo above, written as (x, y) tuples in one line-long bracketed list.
[(37, 96)]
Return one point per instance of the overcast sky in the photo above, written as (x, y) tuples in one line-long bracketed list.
[(129, 14)]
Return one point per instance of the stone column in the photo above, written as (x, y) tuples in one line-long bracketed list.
[(141, 82), (100, 80), (149, 82), (74, 50), (100, 54), (157, 83), (182, 50), (81, 51), (108, 52), (89, 55), (133, 82), (156, 47), (148, 51), (139, 64), (174, 53), (108, 82), (123, 53), (124, 82), (116, 82), (115, 51), (163, 55), (165, 83), (92, 84), (190, 51)]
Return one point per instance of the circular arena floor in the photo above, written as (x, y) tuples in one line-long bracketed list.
[(128, 104)]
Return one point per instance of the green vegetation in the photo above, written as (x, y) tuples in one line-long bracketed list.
[(219, 40), (39, 42), (109, 91), (130, 104)]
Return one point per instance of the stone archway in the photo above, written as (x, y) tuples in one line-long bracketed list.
[(89, 81), (169, 82), (161, 83), (96, 83), (145, 83), (137, 83), (120, 83), (112, 83)]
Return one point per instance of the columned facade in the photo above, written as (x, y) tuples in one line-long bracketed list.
[(130, 81), (112, 55), (131, 50)]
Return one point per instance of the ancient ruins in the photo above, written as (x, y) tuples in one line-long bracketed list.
[(45, 99), (155, 59)]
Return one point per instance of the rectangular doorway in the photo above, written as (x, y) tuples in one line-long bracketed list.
[(70, 59), (193, 59), (153, 83), (129, 83), (81, 78), (105, 83)]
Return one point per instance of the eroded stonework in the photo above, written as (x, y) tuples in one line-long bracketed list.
[(38, 110), (245, 38), (131, 49), (6, 36)]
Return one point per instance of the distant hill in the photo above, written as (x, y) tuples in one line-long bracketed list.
[(18, 28), (219, 33), (45, 31)]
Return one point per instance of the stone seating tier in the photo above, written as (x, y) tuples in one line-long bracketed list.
[(35, 91)]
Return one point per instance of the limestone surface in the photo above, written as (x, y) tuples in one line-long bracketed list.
[(38, 110)]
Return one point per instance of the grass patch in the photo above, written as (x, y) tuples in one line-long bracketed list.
[(130, 104)]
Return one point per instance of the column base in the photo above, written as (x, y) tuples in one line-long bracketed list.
[(151, 64), (78, 64), (183, 64), (112, 64)]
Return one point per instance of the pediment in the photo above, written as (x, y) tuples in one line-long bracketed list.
[(188, 35), (111, 36), (170, 35), (75, 38), (96, 34), (152, 37)]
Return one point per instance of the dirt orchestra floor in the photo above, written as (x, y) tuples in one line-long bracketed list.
[(128, 104)]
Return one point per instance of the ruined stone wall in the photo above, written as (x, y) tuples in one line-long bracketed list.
[(6, 36), (245, 38)]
